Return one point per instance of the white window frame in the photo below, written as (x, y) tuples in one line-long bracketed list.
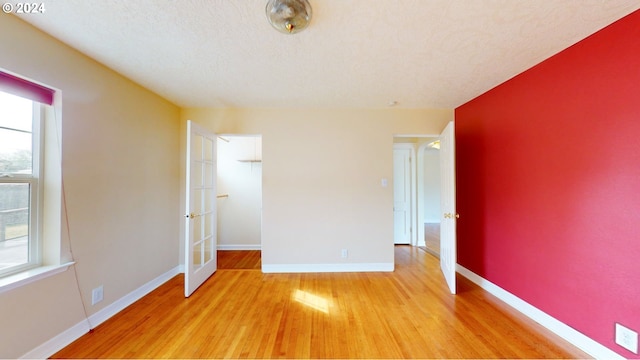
[(35, 193), (51, 257)]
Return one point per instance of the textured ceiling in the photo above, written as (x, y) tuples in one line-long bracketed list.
[(354, 54)]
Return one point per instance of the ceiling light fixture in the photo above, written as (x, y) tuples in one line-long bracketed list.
[(435, 144), (289, 16)]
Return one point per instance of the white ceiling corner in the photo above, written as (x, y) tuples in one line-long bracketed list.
[(354, 54)]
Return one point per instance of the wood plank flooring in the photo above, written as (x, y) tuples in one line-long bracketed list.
[(432, 238), (239, 259), (247, 314)]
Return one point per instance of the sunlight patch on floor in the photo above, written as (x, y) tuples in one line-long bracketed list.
[(313, 301)]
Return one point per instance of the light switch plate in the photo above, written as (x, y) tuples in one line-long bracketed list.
[(627, 338)]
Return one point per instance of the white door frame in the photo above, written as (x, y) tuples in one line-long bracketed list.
[(412, 185), (420, 194)]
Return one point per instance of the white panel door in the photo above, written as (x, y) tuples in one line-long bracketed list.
[(200, 228), (448, 206), (401, 195)]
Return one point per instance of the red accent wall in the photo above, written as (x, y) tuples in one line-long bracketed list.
[(548, 184)]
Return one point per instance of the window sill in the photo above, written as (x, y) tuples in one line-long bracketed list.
[(26, 277)]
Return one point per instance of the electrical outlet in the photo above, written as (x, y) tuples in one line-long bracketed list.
[(96, 295), (345, 253), (627, 338)]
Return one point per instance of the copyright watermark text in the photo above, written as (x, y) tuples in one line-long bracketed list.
[(23, 8)]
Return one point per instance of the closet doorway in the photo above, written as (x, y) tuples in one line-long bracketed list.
[(239, 201)]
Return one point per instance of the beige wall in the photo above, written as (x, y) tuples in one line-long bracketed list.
[(120, 168), (321, 177)]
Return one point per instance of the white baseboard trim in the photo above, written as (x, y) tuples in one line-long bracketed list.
[(59, 341), (68, 336), (120, 304), (239, 247), (321, 268), (561, 329)]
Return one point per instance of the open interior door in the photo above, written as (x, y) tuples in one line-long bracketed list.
[(200, 228), (448, 206)]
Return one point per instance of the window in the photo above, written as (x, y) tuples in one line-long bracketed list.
[(20, 170), (29, 217)]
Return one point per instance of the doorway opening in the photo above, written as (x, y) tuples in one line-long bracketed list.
[(429, 188), (239, 201), (422, 188)]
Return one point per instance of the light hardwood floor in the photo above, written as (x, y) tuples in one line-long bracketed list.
[(246, 314), (432, 238), (239, 259)]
